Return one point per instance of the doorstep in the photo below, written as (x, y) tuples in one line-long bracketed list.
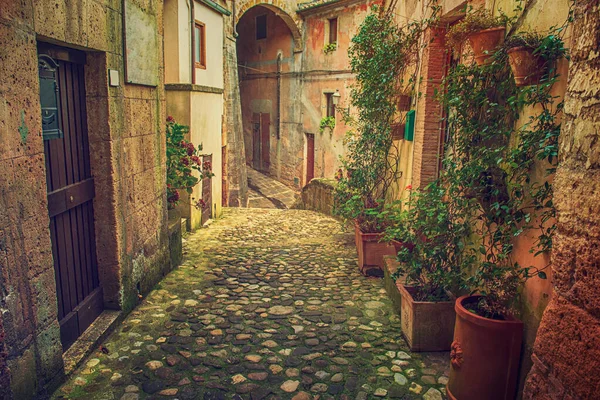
[(89, 340)]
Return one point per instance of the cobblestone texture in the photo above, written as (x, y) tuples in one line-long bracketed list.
[(268, 304), (266, 192)]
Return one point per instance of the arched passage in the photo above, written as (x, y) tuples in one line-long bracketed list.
[(281, 10), (270, 92)]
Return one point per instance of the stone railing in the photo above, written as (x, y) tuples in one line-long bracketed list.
[(317, 196)]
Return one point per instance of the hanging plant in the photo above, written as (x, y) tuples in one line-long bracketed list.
[(484, 32), (327, 122)]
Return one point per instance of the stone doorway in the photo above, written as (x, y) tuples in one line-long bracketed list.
[(70, 187)]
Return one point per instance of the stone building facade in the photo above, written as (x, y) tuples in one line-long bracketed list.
[(420, 158), (294, 64), (567, 348), (91, 168)]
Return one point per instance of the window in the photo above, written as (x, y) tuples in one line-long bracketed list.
[(199, 45), (261, 27), (330, 112), (333, 26)]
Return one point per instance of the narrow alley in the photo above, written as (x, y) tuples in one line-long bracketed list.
[(266, 192), (267, 304)]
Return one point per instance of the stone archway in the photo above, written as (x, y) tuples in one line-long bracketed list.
[(283, 9)]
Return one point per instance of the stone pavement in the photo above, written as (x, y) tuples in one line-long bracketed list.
[(268, 304), (266, 192)]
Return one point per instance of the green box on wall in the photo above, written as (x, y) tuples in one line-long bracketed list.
[(409, 128)]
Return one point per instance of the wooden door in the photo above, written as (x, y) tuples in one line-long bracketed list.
[(310, 157), (256, 143), (261, 141), (265, 137), (70, 188), (207, 194)]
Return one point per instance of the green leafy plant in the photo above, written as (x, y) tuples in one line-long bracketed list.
[(435, 234), (182, 159), (380, 57), (329, 48), (327, 122), (488, 167), (475, 21)]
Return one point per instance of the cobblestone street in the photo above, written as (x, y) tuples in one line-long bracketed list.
[(268, 304)]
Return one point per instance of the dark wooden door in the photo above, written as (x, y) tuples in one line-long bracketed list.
[(70, 194), (310, 157), (265, 138), (261, 141), (207, 194)]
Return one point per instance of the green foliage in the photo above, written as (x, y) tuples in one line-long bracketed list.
[(489, 164), (327, 122), (329, 48), (380, 55), (435, 234), (182, 159), (475, 21)]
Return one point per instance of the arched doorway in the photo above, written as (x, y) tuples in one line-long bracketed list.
[(270, 92)]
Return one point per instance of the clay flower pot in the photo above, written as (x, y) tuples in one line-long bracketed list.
[(485, 42), (398, 245), (527, 68), (371, 251), (426, 325), (484, 356)]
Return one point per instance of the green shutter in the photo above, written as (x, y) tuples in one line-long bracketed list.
[(409, 129)]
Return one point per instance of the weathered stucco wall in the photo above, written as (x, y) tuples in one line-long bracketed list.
[(420, 159), (126, 135), (567, 349), (199, 105)]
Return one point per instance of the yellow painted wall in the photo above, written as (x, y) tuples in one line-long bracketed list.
[(213, 74)]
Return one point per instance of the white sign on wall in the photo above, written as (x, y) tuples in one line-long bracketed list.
[(141, 43)]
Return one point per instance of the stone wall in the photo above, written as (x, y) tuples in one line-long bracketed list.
[(318, 195), (567, 349), (127, 148)]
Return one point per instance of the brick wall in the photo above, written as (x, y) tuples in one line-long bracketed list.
[(567, 348), (429, 111)]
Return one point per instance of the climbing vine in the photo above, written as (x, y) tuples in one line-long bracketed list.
[(381, 56), (492, 159)]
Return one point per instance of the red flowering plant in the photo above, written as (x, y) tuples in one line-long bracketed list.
[(182, 159)]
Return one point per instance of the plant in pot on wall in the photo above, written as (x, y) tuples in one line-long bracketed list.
[(533, 56), (489, 164), (380, 55), (182, 159), (484, 32), (432, 268)]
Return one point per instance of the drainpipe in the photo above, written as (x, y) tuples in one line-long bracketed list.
[(235, 34), (192, 40), (279, 56)]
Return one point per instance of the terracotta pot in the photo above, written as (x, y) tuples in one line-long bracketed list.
[(485, 42), (527, 68), (426, 325), (484, 356), (371, 251)]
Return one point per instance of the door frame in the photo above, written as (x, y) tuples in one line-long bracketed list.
[(98, 100)]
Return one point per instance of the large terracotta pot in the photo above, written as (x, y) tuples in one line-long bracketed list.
[(527, 68), (484, 356), (485, 42), (426, 325), (371, 251)]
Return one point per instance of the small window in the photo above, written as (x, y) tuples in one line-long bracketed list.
[(261, 27), (330, 112), (333, 27), (199, 45)]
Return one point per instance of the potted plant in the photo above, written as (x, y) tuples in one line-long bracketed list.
[(432, 267), (484, 32), (532, 56)]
